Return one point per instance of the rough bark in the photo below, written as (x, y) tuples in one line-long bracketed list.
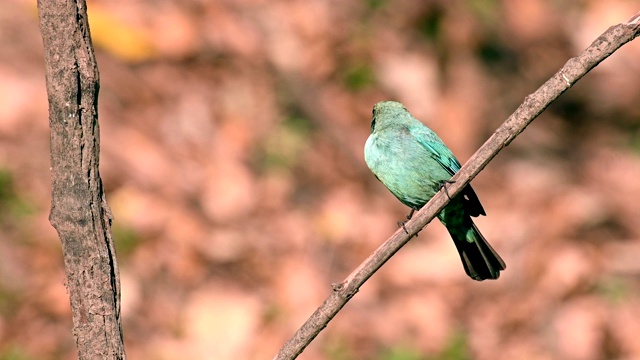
[(79, 211)]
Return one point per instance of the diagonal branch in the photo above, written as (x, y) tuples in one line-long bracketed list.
[(607, 43)]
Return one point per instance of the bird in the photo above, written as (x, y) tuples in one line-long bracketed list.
[(414, 164)]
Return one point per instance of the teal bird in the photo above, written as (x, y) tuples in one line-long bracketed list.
[(414, 164)]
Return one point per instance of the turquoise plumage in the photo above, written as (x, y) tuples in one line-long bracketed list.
[(414, 164)]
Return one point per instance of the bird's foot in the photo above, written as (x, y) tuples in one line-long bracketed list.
[(401, 224), (443, 185), (413, 209)]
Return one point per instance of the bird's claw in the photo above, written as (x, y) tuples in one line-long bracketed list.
[(401, 224), (443, 185)]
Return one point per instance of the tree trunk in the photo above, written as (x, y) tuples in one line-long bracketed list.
[(79, 211)]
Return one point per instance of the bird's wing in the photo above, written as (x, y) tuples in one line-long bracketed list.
[(438, 150), (443, 156)]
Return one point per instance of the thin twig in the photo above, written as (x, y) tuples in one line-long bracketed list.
[(533, 105)]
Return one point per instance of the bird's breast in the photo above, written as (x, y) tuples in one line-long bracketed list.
[(404, 167)]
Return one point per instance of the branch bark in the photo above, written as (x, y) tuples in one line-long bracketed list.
[(533, 105), (79, 211)]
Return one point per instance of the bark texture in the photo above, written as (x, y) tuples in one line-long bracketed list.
[(79, 211)]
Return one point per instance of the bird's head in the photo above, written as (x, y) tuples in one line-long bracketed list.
[(387, 113)]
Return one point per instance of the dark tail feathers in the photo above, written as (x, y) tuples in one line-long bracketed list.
[(479, 259)]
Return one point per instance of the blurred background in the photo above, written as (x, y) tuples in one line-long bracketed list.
[(232, 138)]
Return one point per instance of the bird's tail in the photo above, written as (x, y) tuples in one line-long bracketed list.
[(479, 259)]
